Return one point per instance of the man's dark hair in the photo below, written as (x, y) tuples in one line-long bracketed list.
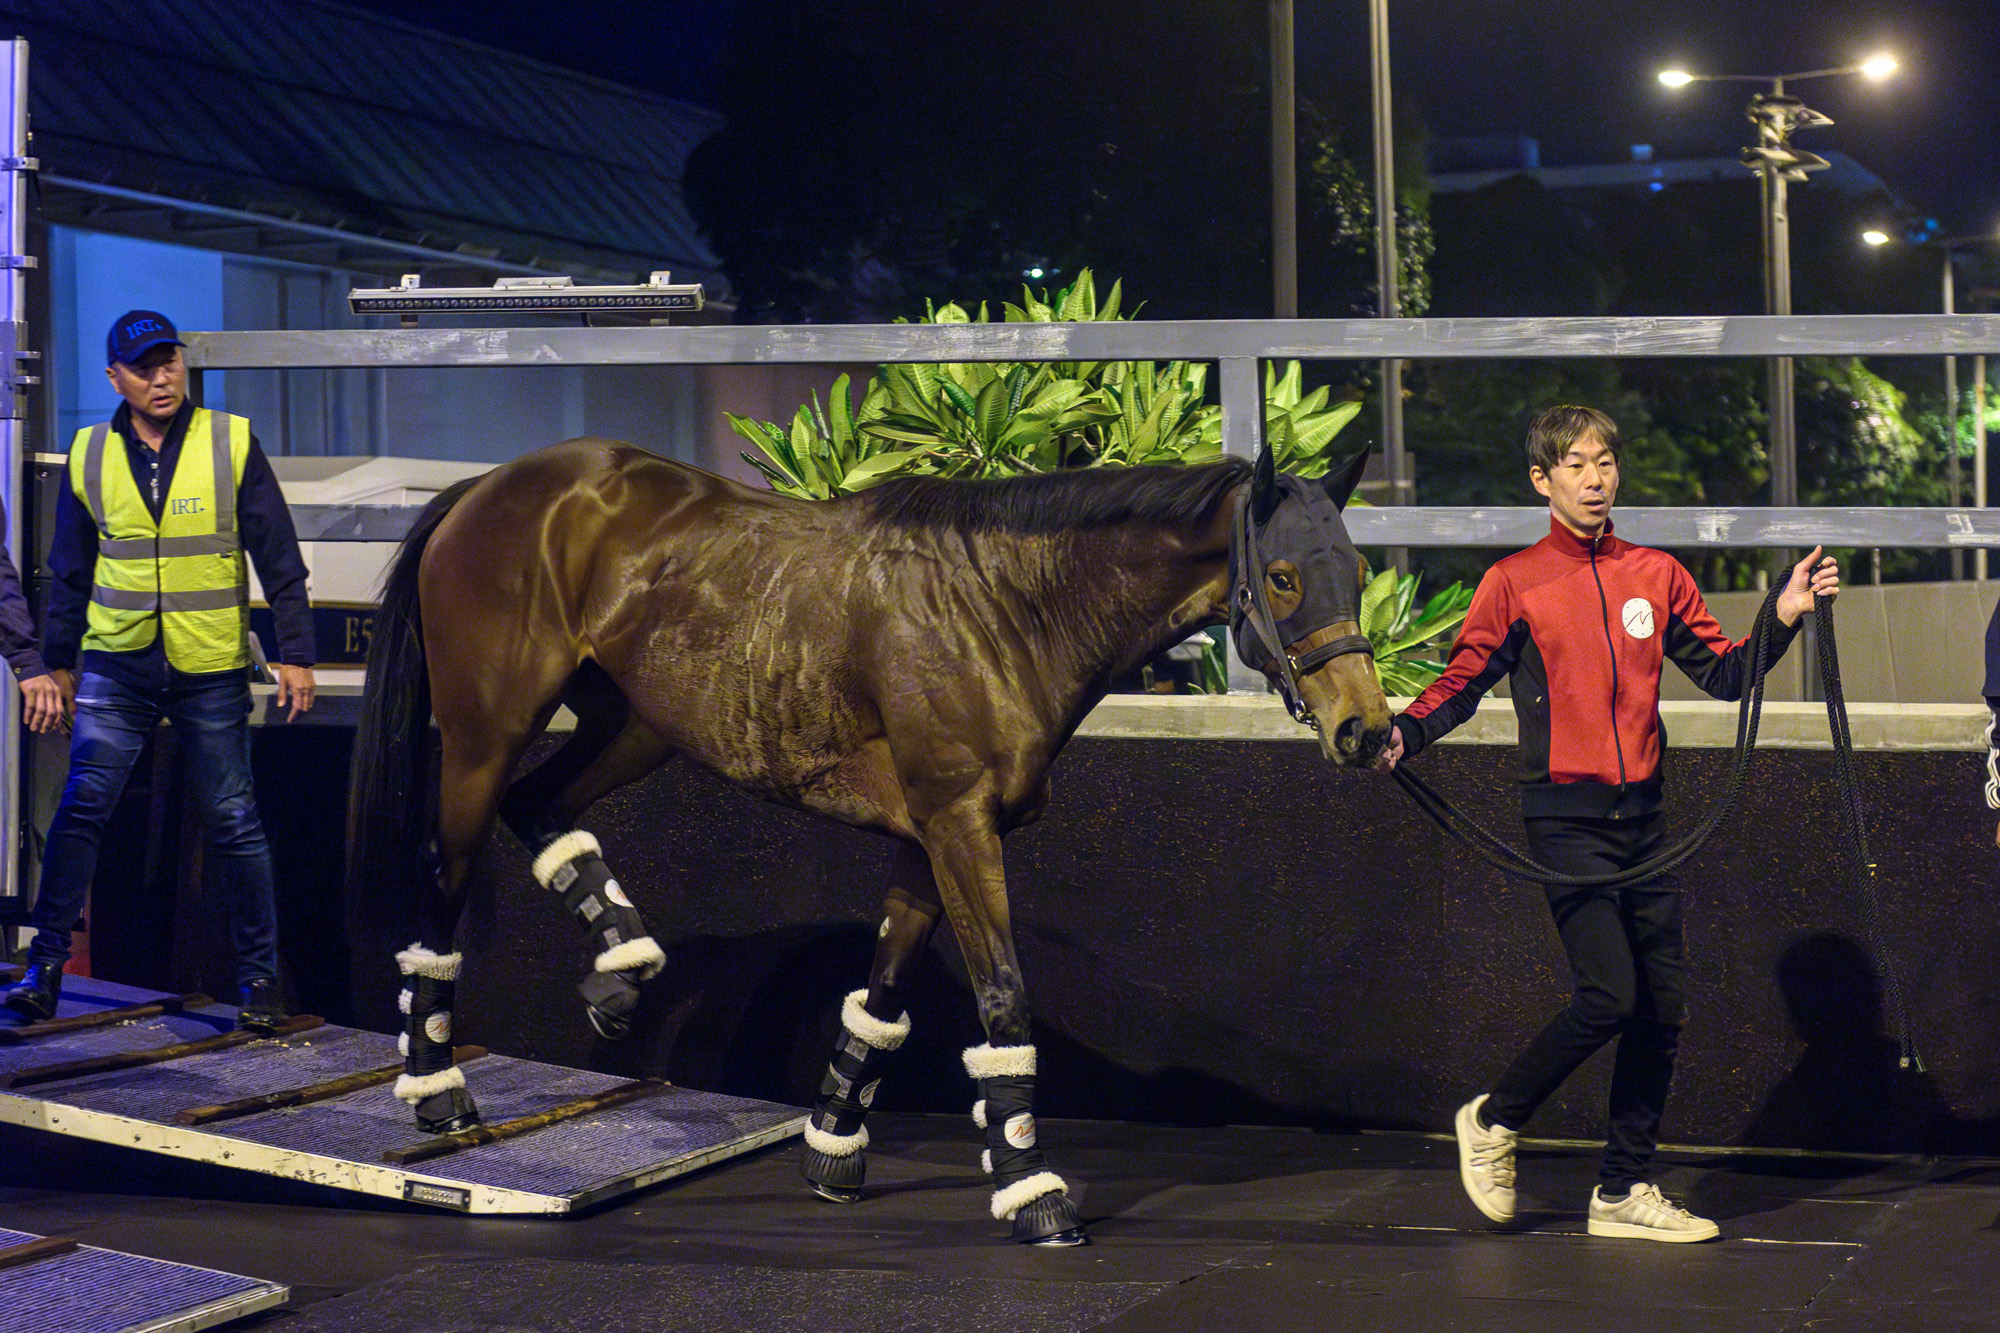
[(1553, 430)]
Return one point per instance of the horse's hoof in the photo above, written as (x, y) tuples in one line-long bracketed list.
[(609, 1026), (609, 999), (447, 1112), (835, 1179), (1050, 1220), (832, 1195)]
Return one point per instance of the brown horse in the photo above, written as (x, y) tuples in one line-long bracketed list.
[(909, 660)]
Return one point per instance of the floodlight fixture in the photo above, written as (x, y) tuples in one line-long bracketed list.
[(1878, 66), (1874, 237), (549, 294)]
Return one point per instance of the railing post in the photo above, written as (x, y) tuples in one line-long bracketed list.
[(1242, 437), (14, 382)]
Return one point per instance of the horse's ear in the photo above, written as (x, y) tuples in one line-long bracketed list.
[(1264, 487), (1340, 484)]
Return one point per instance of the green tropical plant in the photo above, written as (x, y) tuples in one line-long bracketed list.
[(823, 454), (1403, 634), (1162, 415), (992, 419), (1301, 426)]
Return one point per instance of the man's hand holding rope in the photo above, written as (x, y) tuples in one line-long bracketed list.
[(1818, 575)]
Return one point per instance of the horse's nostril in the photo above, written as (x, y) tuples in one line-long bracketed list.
[(1347, 736)]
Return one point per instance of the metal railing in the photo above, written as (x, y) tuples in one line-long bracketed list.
[(1239, 347)]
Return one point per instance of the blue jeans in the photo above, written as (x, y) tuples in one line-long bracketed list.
[(210, 715)]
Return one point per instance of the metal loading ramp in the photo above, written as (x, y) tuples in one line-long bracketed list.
[(58, 1286), (651, 1131)]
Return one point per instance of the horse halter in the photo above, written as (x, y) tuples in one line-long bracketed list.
[(1248, 604)]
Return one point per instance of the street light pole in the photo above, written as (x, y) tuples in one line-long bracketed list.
[(1284, 167), (1388, 268), (1946, 292), (1979, 453), (1776, 163)]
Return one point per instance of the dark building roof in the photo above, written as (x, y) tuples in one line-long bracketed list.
[(1465, 164), (309, 130)]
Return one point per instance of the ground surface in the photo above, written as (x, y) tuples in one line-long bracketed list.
[(1192, 1229)]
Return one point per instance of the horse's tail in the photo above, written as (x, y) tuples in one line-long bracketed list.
[(391, 809)]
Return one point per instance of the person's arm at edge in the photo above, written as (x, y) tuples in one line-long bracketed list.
[(42, 703), (1708, 657), (272, 544)]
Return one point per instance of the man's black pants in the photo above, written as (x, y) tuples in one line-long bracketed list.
[(1628, 965)]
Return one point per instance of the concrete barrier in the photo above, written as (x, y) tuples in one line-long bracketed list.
[(1217, 927)]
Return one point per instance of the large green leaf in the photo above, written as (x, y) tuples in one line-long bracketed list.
[(840, 416), (989, 413), (1406, 678), (956, 395), (1374, 598), (887, 427), (880, 468)]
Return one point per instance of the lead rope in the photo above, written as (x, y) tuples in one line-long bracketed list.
[(1506, 859), (1860, 866)]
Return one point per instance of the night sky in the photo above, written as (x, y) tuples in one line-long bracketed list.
[(1576, 75)]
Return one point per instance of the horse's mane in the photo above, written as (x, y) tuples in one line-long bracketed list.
[(1171, 497)]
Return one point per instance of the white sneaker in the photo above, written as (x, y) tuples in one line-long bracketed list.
[(1646, 1214), (1485, 1162)]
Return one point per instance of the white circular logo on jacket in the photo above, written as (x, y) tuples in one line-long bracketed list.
[(1638, 616)]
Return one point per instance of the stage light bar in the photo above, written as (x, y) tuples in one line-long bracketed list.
[(658, 296)]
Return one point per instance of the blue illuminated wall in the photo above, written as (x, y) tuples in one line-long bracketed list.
[(93, 279)]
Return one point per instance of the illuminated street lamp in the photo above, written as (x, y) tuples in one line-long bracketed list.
[(1776, 114), (1948, 248)]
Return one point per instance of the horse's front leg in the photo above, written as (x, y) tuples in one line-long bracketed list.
[(964, 849), (873, 1024)]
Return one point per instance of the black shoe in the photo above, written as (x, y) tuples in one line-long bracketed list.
[(259, 1006), (35, 994)]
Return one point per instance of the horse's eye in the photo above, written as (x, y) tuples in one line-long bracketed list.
[(1281, 581)]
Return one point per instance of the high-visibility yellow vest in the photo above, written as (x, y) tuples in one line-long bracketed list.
[(182, 574)]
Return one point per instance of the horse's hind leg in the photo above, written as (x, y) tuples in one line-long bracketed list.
[(470, 777), (609, 748), (872, 1024)]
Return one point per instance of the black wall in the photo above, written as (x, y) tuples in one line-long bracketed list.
[(1233, 932)]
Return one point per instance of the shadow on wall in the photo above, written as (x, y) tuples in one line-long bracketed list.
[(758, 1016), (1848, 1090)]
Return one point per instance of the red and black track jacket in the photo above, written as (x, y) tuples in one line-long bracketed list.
[(1581, 626)]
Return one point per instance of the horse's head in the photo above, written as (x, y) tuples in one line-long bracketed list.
[(1295, 607)]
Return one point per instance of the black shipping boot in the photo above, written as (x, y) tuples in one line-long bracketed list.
[(623, 954), (433, 1086), (834, 1163), (35, 995), (1034, 1199)]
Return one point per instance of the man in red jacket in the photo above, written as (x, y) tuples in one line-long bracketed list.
[(1582, 622)]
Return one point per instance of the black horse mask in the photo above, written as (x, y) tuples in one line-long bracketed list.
[(1293, 574)]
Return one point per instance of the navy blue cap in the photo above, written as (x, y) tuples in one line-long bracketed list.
[(137, 332)]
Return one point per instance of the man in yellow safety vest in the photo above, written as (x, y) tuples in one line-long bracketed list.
[(163, 503)]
